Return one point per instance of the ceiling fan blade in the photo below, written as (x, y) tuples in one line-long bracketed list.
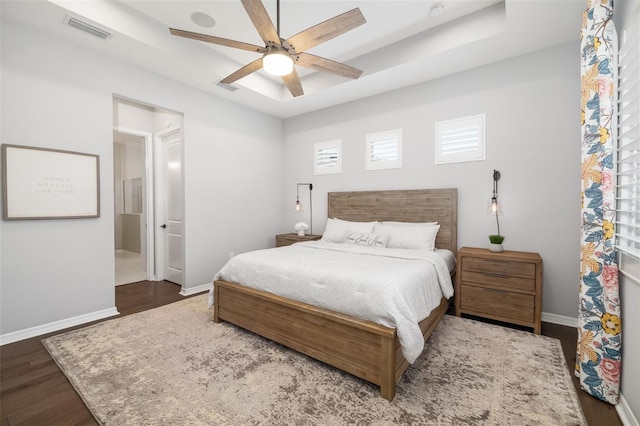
[(260, 18), (218, 40), (317, 63), (243, 72), (326, 30), (293, 83)]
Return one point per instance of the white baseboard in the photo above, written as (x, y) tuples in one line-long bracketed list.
[(193, 290), (56, 325), (626, 415), (559, 319)]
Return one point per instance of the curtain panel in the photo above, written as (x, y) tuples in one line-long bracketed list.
[(598, 358)]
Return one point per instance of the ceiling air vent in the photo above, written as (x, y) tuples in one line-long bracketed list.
[(229, 87), (86, 27)]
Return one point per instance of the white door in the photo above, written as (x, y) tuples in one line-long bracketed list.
[(171, 223)]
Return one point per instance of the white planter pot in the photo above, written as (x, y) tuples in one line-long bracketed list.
[(301, 233), (496, 248)]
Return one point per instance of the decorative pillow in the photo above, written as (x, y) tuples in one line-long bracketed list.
[(369, 240), (409, 237), (336, 229)]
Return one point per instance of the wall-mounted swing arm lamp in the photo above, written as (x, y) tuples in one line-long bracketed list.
[(494, 207), (298, 208)]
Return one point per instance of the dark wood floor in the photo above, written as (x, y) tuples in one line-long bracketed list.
[(33, 390)]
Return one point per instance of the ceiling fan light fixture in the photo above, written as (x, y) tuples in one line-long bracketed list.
[(278, 62)]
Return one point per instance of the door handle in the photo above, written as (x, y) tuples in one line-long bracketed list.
[(163, 226)]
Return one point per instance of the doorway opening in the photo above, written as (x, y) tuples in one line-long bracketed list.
[(148, 191), (130, 220)]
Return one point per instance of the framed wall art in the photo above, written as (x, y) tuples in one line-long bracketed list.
[(42, 183)]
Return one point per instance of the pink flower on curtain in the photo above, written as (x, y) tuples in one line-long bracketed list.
[(610, 370), (610, 276), (607, 181), (610, 286), (604, 86)]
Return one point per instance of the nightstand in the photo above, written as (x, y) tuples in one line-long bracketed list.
[(288, 239), (504, 286)]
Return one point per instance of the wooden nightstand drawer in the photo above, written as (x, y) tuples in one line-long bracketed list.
[(499, 304), (500, 280), (498, 267)]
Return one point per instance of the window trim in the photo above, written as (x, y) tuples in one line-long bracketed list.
[(458, 125), (372, 138), (328, 169)]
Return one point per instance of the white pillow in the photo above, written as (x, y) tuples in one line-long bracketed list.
[(409, 237), (389, 222), (336, 230), (369, 240)]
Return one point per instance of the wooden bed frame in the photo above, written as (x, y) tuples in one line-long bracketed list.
[(362, 348)]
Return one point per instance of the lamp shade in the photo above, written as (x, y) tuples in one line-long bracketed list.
[(277, 62), (494, 207)]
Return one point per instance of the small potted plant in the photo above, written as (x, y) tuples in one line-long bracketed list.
[(496, 242), (301, 227)]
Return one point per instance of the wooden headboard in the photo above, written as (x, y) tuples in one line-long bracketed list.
[(413, 205)]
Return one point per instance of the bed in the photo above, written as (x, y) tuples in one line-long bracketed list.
[(362, 348)]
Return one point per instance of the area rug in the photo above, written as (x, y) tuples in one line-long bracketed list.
[(174, 366)]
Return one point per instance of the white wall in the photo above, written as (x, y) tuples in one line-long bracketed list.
[(533, 137), (58, 95), (627, 14)]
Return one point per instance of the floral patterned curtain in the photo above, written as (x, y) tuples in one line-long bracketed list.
[(599, 326)]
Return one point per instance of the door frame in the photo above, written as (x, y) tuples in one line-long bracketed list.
[(158, 154), (149, 199)]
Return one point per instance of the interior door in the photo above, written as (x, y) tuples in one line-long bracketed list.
[(172, 223)]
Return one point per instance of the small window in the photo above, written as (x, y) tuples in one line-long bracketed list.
[(460, 140), (327, 157), (384, 150)]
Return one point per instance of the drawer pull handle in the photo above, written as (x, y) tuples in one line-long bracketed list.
[(496, 290), (489, 274)]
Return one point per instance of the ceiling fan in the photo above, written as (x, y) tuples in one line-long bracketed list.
[(278, 54)]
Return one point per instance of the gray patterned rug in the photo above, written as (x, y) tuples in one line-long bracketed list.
[(174, 366)]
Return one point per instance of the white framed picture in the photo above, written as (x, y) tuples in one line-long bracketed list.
[(42, 183)]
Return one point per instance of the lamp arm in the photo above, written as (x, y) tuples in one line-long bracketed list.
[(496, 178), (310, 210), (310, 203)]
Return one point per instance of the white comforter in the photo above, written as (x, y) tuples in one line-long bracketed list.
[(392, 287)]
